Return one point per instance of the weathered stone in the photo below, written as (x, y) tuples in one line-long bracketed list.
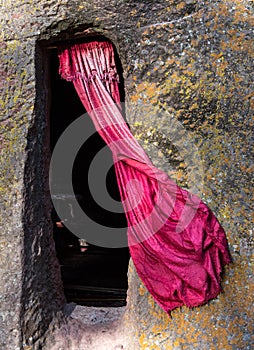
[(195, 60)]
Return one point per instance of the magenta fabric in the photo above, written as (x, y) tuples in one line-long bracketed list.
[(177, 245)]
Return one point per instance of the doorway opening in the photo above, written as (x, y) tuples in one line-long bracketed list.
[(91, 275)]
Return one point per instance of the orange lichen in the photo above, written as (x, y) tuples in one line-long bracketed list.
[(192, 90)]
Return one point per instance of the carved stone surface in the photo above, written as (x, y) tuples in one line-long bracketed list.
[(192, 58)]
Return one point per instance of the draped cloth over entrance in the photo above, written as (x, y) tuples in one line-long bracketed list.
[(177, 245)]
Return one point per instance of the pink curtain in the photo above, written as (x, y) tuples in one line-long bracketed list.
[(176, 243)]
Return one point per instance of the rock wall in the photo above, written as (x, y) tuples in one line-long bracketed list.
[(193, 59)]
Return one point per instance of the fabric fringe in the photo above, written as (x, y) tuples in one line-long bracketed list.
[(107, 76)]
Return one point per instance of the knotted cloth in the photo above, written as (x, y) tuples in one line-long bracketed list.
[(177, 245)]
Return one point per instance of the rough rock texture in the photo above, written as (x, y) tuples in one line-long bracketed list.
[(89, 328), (193, 59)]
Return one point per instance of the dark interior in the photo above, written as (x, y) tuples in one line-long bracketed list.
[(91, 275)]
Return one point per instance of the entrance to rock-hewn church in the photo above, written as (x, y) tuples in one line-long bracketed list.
[(91, 275)]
